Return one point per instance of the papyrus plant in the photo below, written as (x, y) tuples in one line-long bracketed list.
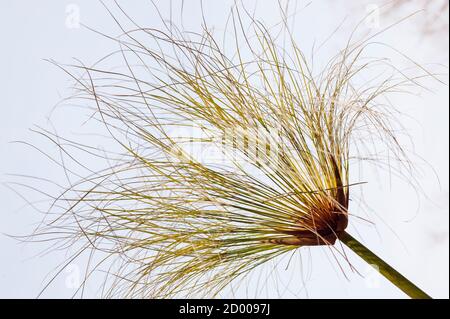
[(180, 223)]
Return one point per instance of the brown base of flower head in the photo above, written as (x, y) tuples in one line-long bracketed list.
[(311, 238), (325, 230)]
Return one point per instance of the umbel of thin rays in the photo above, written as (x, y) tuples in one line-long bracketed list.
[(175, 221)]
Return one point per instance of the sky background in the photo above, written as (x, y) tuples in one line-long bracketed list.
[(410, 230)]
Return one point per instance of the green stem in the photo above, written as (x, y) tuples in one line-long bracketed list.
[(387, 271)]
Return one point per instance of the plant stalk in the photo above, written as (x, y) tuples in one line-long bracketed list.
[(383, 268)]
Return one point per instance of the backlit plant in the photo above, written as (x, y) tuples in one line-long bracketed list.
[(281, 139)]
